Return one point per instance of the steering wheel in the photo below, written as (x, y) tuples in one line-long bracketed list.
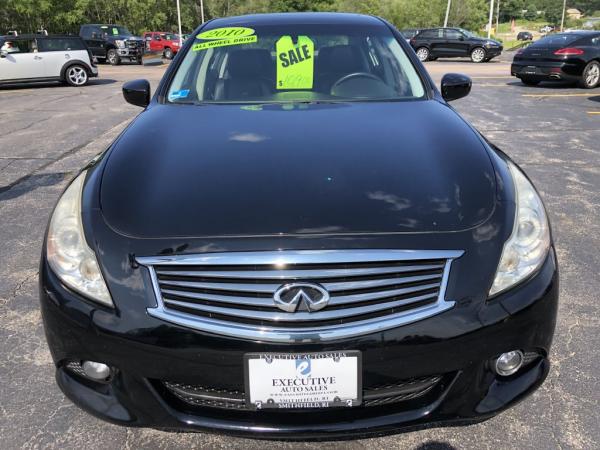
[(354, 75)]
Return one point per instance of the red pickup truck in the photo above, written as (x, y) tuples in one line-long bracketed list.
[(165, 43)]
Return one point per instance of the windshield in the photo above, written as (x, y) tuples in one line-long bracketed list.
[(115, 30), (468, 33), (557, 40), (295, 63)]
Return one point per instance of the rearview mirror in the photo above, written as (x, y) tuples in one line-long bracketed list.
[(455, 86), (137, 92)]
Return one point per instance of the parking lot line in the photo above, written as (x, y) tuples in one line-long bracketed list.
[(555, 95), (593, 113)]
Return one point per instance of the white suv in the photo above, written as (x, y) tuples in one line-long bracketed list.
[(45, 58)]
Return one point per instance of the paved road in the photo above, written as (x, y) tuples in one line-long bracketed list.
[(554, 132)]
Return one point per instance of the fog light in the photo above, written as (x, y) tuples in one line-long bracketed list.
[(508, 363), (95, 370)]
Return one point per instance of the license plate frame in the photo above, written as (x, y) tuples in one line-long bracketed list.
[(345, 358), (530, 70)]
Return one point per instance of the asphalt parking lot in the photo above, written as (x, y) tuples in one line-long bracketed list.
[(48, 132)]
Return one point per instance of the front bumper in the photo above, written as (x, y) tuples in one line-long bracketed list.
[(492, 52), (131, 52), (149, 352)]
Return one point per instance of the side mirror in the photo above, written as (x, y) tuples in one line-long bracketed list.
[(3, 54), (137, 92), (455, 86)]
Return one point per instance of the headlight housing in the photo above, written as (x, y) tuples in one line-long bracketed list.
[(67, 251), (120, 43), (526, 249)]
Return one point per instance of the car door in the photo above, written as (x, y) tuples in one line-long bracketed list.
[(437, 42), (22, 61), (94, 38), (455, 44), (59, 51)]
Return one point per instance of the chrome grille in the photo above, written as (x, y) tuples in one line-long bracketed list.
[(232, 293)]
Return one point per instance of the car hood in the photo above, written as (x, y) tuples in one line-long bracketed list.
[(222, 170)]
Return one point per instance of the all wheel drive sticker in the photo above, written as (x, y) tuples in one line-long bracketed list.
[(221, 37), (295, 62)]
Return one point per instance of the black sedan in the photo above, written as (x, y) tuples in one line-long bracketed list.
[(325, 248), (454, 43), (524, 36), (573, 57)]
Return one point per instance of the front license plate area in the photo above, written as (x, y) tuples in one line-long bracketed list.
[(303, 380)]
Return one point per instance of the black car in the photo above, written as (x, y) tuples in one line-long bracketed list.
[(573, 57), (325, 248), (435, 43), (113, 43), (524, 36)]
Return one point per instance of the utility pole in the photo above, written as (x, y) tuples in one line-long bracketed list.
[(497, 16), (447, 13), (202, 10), (562, 21), (490, 19), (179, 22)]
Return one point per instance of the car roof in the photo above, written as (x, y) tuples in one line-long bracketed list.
[(300, 18), (40, 36)]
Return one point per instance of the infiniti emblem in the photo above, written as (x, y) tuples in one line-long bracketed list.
[(304, 296)]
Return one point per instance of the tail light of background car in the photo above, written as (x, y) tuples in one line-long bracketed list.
[(569, 51)]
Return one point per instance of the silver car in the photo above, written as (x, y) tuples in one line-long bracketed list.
[(37, 58)]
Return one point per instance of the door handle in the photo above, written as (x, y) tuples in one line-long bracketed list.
[(37, 57)]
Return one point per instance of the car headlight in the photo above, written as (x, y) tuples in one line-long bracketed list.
[(491, 44), (67, 251), (120, 43), (526, 249)]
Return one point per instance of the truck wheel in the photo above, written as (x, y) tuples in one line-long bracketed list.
[(76, 75), (168, 53), (113, 57)]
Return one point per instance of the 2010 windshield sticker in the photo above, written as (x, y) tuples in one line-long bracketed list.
[(295, 63), (221, 37)]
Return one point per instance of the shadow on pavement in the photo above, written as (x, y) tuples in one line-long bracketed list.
[(435, 445), (29, 183)]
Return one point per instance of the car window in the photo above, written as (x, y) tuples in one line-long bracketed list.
[(453, 35), (157, 37), (60, 44), (114, 30), (86, 32), (21, 46), (295, 63)]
